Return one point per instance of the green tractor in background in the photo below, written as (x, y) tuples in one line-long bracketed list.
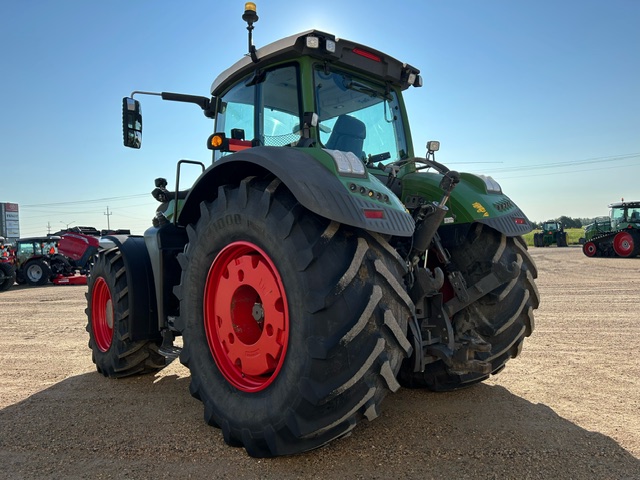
[(317, 264), (552, 234), (615, 236)]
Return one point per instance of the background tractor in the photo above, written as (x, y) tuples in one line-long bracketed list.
[(551, 233), (317, 263), (615, 236)]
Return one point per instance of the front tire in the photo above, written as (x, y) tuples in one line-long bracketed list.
[(114, 352), (502, 318), (294, 326)]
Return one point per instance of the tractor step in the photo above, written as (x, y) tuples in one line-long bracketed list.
[(169, 352)]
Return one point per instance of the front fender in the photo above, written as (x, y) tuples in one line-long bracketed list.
[(143, 316), (307, 174)]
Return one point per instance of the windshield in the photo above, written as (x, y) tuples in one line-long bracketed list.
[(359, 116)]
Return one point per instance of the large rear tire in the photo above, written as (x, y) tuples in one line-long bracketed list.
[(7, 276), (503, 317), (562, 239), (114, 352), (294, 327)]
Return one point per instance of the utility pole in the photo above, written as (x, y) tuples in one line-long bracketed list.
[(48, 228), (108, 215)]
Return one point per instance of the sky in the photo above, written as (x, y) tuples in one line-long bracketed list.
[(543, 96)]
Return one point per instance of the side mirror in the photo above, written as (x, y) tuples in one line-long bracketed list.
[(131, 122)]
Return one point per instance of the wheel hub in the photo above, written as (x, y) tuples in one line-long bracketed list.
[(246, 316)]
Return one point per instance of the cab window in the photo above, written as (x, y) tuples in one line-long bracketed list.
[(359, 116), (266, 106)]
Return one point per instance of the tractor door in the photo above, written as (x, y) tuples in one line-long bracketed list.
[(261, 110)]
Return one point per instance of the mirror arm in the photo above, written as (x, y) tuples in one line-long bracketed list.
[(203, 102)]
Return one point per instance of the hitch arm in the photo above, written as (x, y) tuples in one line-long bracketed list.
[(500, 274)]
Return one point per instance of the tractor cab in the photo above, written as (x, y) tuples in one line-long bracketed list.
[(345, 109), (624, 215), (27, 248)]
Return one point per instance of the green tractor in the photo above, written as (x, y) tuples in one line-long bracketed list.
[(615, 236), (317, 264), (552, 234)]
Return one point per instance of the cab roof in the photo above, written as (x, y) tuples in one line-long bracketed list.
[(345, 53), (635, 204)]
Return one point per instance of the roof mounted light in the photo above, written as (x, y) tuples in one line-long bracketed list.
[(330, 46), (313, 42), (250, 16)]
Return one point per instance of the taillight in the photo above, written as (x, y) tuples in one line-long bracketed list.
[(366, 54), (374, 214)]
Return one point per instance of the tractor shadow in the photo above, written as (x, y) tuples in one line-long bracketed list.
[(150, 427)]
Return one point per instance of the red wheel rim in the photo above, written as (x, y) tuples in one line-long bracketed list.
[(623, 244), (246, 316), (102, 314), (590, 249)]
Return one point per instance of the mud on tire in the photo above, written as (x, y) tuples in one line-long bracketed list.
[(114, 353), (338, 337), (503, 318)]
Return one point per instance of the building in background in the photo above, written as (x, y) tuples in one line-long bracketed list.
[(9, 221)]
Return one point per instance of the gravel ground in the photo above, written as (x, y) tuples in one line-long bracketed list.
[(568, 407)]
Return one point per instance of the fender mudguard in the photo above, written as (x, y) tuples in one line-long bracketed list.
[(470, 202), (143, 315), (316, 187)]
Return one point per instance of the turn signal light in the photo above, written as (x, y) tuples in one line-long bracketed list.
[(215, 141)]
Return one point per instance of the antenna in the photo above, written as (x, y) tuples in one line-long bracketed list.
[(250, 16)]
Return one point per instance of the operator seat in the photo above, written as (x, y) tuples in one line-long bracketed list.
[(348, 135)]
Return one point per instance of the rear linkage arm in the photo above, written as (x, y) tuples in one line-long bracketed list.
[(432, 330)]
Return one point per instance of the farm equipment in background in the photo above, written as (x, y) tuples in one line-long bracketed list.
[(62, 259), (615, 236), (76, 250), (552, 233), (318, 263), (7, 268)]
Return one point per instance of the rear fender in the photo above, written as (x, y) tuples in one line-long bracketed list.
[(308, 174), (471, 201)]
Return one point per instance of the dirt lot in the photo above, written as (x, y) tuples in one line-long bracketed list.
[(568, 407)]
